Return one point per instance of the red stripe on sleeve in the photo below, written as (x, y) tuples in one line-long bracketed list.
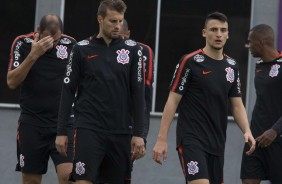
[(280, 55), (12, 49), (68, 36), (183, 62), (150, 68)]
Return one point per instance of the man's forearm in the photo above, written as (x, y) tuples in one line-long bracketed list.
[(240, 117), (17, 76), (278, 126)]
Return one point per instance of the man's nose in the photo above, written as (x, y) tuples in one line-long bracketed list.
[(218, 33), (118, 26)]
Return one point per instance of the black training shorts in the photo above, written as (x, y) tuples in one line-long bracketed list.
[(198, 164), (101, 157), (263, 163), (35, 145)]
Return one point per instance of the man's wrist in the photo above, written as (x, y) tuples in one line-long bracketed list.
[(62, 132)]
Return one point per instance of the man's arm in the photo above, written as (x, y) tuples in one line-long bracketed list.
[(137, 96), (278, 126), (161, 147), (268, 136), (69, 88), (148, 58), (16, 76), (240, 117)]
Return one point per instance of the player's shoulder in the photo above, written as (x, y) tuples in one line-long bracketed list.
[(84, 43), (279, 58), (145, 46), (129, 42), (25, 38), (130, 45), (195, 56), (230, 61), (67, 40), (258, 62)]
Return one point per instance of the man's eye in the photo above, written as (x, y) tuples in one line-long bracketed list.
[(223, 30)]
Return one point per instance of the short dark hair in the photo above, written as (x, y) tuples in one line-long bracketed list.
[(265, 32), (262, 29), (43, 22), (216, 16), (117, 5)]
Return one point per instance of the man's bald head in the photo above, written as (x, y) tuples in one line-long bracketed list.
[(124, 31), (51, 22)]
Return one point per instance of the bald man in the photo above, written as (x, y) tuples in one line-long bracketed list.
[(37, 65), (266, 161)]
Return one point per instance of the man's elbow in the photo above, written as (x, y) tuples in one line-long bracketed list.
[(11, 84)]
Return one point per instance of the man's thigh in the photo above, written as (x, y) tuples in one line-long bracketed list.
[(273, 157), (197, 164), (117, 165), (32, 149), (55, 155), (253, 166), (90, 149)]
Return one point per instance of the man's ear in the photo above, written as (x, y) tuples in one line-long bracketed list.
[(204, 32), (261, 42), (128, 33), (100, 19), (38, 29)]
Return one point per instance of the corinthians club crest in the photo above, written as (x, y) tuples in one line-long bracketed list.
[(123, 56), (230, 74), (274, 70), (79, 169), (62, 51), (193, 167)]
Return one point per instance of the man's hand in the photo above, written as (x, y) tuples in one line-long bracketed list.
[(39, 47), (266, 138), (159, 151), (62, 144), (137, 148), (251, 141)]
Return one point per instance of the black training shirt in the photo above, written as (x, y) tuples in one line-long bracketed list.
[(268, 106), (40, 92), (109, 81), (206, 85)]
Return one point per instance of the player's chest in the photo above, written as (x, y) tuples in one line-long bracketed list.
[(49, 64), (214, 74), (268, 76), (107, 59)]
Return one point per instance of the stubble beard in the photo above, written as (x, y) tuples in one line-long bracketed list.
[(108, 35), (217, 48)]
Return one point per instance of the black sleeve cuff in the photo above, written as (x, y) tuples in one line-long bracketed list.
[(278, 126), (62, 131)]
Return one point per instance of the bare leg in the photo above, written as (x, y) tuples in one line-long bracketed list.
[(199, 181), (31, 178), (83, 182), (251, 181), (63, 172)]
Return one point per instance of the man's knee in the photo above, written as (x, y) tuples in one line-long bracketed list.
[(250, 181), (199, 181), (63, 172), (31, 178)]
